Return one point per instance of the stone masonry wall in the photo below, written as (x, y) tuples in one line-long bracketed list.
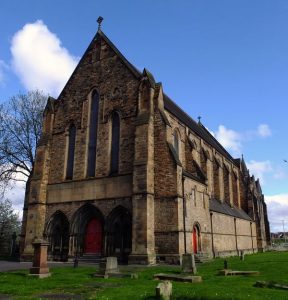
[(117, 92)]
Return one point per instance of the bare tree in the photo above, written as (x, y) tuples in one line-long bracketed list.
[(20, 129)]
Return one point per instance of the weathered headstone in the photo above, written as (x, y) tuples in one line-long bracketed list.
[(188, 263), (164, 290), (40, 268), (109, 265)]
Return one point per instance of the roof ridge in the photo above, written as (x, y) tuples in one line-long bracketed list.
[(175, 109), (211, 135), (134, 70), (99, 32)]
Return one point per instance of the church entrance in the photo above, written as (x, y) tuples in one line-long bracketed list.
[(93, 237), (196, 239), (87, 231)]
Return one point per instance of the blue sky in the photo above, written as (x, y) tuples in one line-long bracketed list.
[(224, 60)]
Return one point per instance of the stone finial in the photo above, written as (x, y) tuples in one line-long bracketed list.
[(199, 119), (99, 21)]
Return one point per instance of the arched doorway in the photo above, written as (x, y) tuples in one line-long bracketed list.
[(196, 245), (119, 234), (87, 231), (57, 233), (93, 237)]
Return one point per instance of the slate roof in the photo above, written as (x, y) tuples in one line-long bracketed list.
[(199, 129), (226, 209)]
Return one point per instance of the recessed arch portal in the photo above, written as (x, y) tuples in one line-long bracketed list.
[(87, 230), (119, 233), (57, 233)]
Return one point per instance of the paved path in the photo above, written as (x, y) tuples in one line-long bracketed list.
[(15, 265)]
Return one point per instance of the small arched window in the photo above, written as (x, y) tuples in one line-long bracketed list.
[(176, 142), (115, 143), (71, 151), (93, 126)]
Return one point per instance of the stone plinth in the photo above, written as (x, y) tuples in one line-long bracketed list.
[(40, 268)]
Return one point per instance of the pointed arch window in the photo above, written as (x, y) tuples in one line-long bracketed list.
[(71, 152), (176, 142), (115, 143), (93, 126)]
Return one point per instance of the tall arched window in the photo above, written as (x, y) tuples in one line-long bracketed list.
[(176, 142), (93, 126), (71, 151), (115, 143)]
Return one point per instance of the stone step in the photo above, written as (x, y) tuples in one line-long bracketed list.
[(90, 258), (202, 258)]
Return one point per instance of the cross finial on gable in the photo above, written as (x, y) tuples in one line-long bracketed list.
[(199, 119), (99, 21)]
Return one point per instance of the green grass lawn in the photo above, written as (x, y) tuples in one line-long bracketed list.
[(273, 266)]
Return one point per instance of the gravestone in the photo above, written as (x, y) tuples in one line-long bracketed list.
[(109, 265), (188, 263), (164, 290), (40, 268)]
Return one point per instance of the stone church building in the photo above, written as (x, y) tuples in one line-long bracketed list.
[(121, 170)]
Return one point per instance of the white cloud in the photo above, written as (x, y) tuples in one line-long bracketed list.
[(229, 139), (16, 195), (263, 130), (277, 206), (259, 168), (39, 59), (233, 140)]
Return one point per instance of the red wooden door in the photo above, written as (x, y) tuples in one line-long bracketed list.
[(195, 240), (93, 237)]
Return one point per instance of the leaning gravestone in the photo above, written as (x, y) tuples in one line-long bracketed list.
[(164, 290), (188, 263)]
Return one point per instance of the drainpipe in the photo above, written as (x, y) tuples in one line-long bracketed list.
[(184, 214), (212, 236)]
